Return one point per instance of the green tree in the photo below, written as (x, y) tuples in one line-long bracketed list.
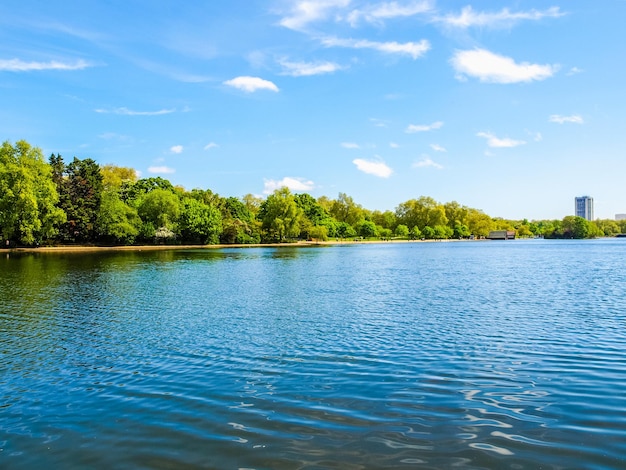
[(280, 215), (385, 219), (367, 229), (428, 232), (80, 188), (415, 233), (479, 223), (442, 232), (28, 195), (118, 223), (344, 209), (402, 231), (421, 212), (114, 178), (609, 228), (159, 208), (199, 222), (143, 186)]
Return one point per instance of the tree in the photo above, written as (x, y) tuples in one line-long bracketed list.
[(145, 185), (80, 190), (442, 232), (199, 222), (160, 208), (28, 195), (428, 232), (479, 223), (421, 212), (415, 233), (344, 209), (608, 227), (280, 215), (402, 231), (114, 178), (385, 219), (117, 222), (367, 229)]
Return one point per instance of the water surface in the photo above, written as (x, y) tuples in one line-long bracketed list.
[(422, 355)]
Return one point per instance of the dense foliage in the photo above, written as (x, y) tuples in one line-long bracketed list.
[(55, 202)]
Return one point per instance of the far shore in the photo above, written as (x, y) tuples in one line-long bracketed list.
[(90, 248)]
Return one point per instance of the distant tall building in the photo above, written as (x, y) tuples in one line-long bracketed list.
[(583, 207), (620, 216)]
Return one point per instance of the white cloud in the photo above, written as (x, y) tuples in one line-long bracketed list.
[(468, 17), (413, 128), (493, 68), (379, 122), (350, 145), (574, 71), (305, 69), (176, 149), (17, 65), (294, 184), (427, 162), (574, 118), (437, 148), (373, 167), (304, 12), (393, 145), (495, 142), (210, 145), (114, 136), (251, 84), (413, 49), (161, 169), (129, 112), (388, 10)]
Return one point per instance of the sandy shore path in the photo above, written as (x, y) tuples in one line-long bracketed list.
[(87, 249)]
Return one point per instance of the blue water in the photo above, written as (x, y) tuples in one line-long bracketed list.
[(419, 355)]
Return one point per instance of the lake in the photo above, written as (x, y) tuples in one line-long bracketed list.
[(471, 355)]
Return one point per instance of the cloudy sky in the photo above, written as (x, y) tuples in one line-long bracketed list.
[(513, 107)]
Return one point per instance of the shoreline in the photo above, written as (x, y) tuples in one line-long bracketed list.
[(88, 249)]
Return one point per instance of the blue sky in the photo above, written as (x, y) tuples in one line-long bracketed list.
[(513, 107)]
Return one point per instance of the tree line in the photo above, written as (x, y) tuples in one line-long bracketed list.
[(81, 202)]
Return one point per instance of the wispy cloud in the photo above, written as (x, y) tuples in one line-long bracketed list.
[(393, 145), (210, 145), (413, 128), (413, 49), (574, 118), (437, 148), (427, 162), (18, 65), (388, 10), (305, 69), (251, 84), (176, 149), (496, 142), (114, 136), (164, 170), (373, 167), (304, 12), (379, 122), (293, 183), (130, 112), (470, 18), (493, 68), (574, 71), (350, 145)]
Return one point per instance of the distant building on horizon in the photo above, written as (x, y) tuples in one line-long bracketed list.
[(583, 207), (620, 216)]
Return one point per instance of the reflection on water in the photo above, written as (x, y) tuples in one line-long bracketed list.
[(435, 355)]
